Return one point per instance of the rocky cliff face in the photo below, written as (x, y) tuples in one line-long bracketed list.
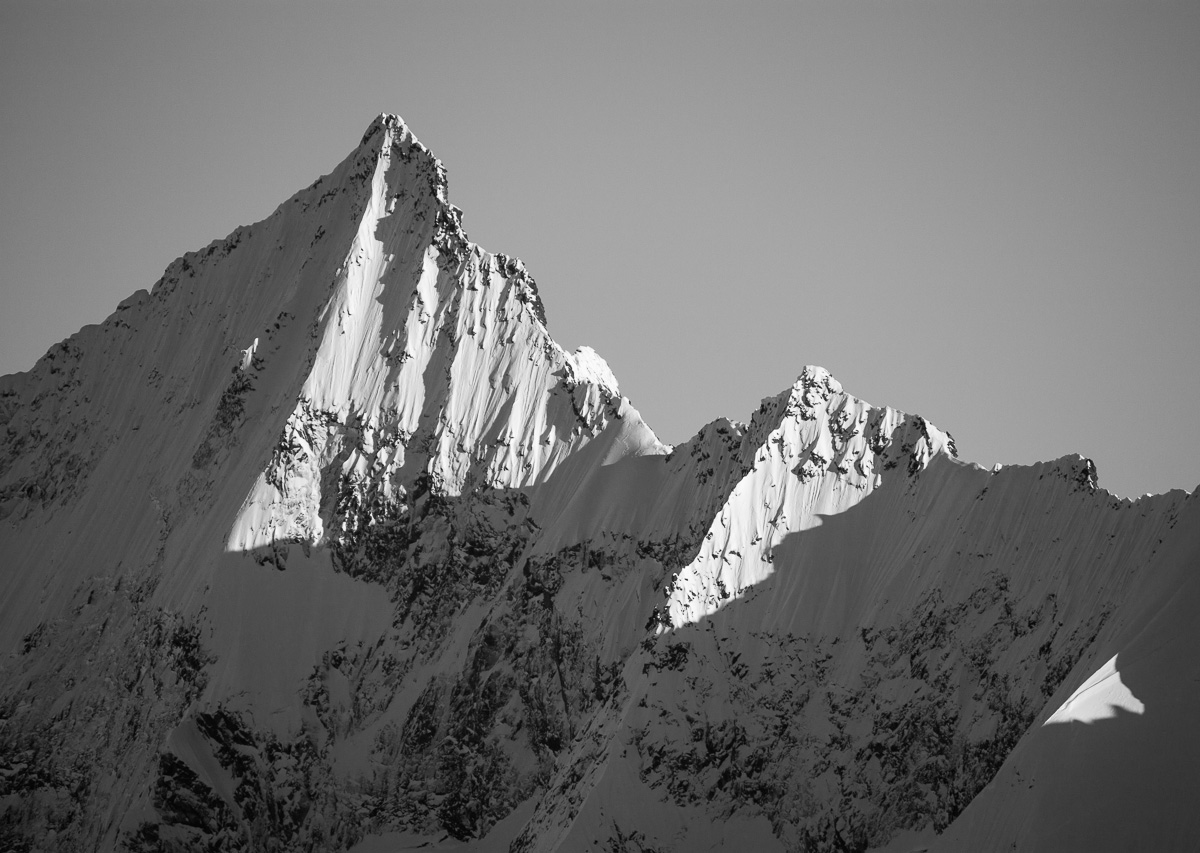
[(324, 541)]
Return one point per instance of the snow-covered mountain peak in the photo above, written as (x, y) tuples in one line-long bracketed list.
[(815, 377), (387, 123), (388, 131), (324, 536)]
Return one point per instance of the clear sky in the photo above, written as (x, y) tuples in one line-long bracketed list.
[(985, 213)]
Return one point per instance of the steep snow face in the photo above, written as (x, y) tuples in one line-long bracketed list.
[(428, 343), (819, 458), (324, 540)]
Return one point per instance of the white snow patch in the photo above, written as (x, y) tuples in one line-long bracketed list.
[(1099, 698), (248, 355)]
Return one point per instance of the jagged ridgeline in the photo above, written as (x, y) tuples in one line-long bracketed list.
[(324, 541)]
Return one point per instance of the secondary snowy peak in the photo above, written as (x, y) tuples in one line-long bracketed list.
[(818, 451)]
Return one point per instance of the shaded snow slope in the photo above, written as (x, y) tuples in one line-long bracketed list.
[(323, 541), (1115, 764)]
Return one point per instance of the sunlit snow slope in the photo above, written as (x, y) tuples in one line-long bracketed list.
[(325, 543)]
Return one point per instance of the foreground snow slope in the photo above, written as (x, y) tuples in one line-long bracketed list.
[(324, 541)]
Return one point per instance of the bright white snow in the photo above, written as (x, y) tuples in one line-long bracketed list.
[(1098, 698)]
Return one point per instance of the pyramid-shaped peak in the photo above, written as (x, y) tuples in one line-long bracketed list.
[(394, 131), (385, 122)]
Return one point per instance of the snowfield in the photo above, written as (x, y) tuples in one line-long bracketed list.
[(323, 543)]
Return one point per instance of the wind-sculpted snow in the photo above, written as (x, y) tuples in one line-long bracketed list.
[(324, 540)]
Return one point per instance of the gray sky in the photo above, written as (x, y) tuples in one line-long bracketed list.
[(987, 214)]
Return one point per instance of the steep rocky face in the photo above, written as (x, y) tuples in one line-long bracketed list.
[(325, 538)]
